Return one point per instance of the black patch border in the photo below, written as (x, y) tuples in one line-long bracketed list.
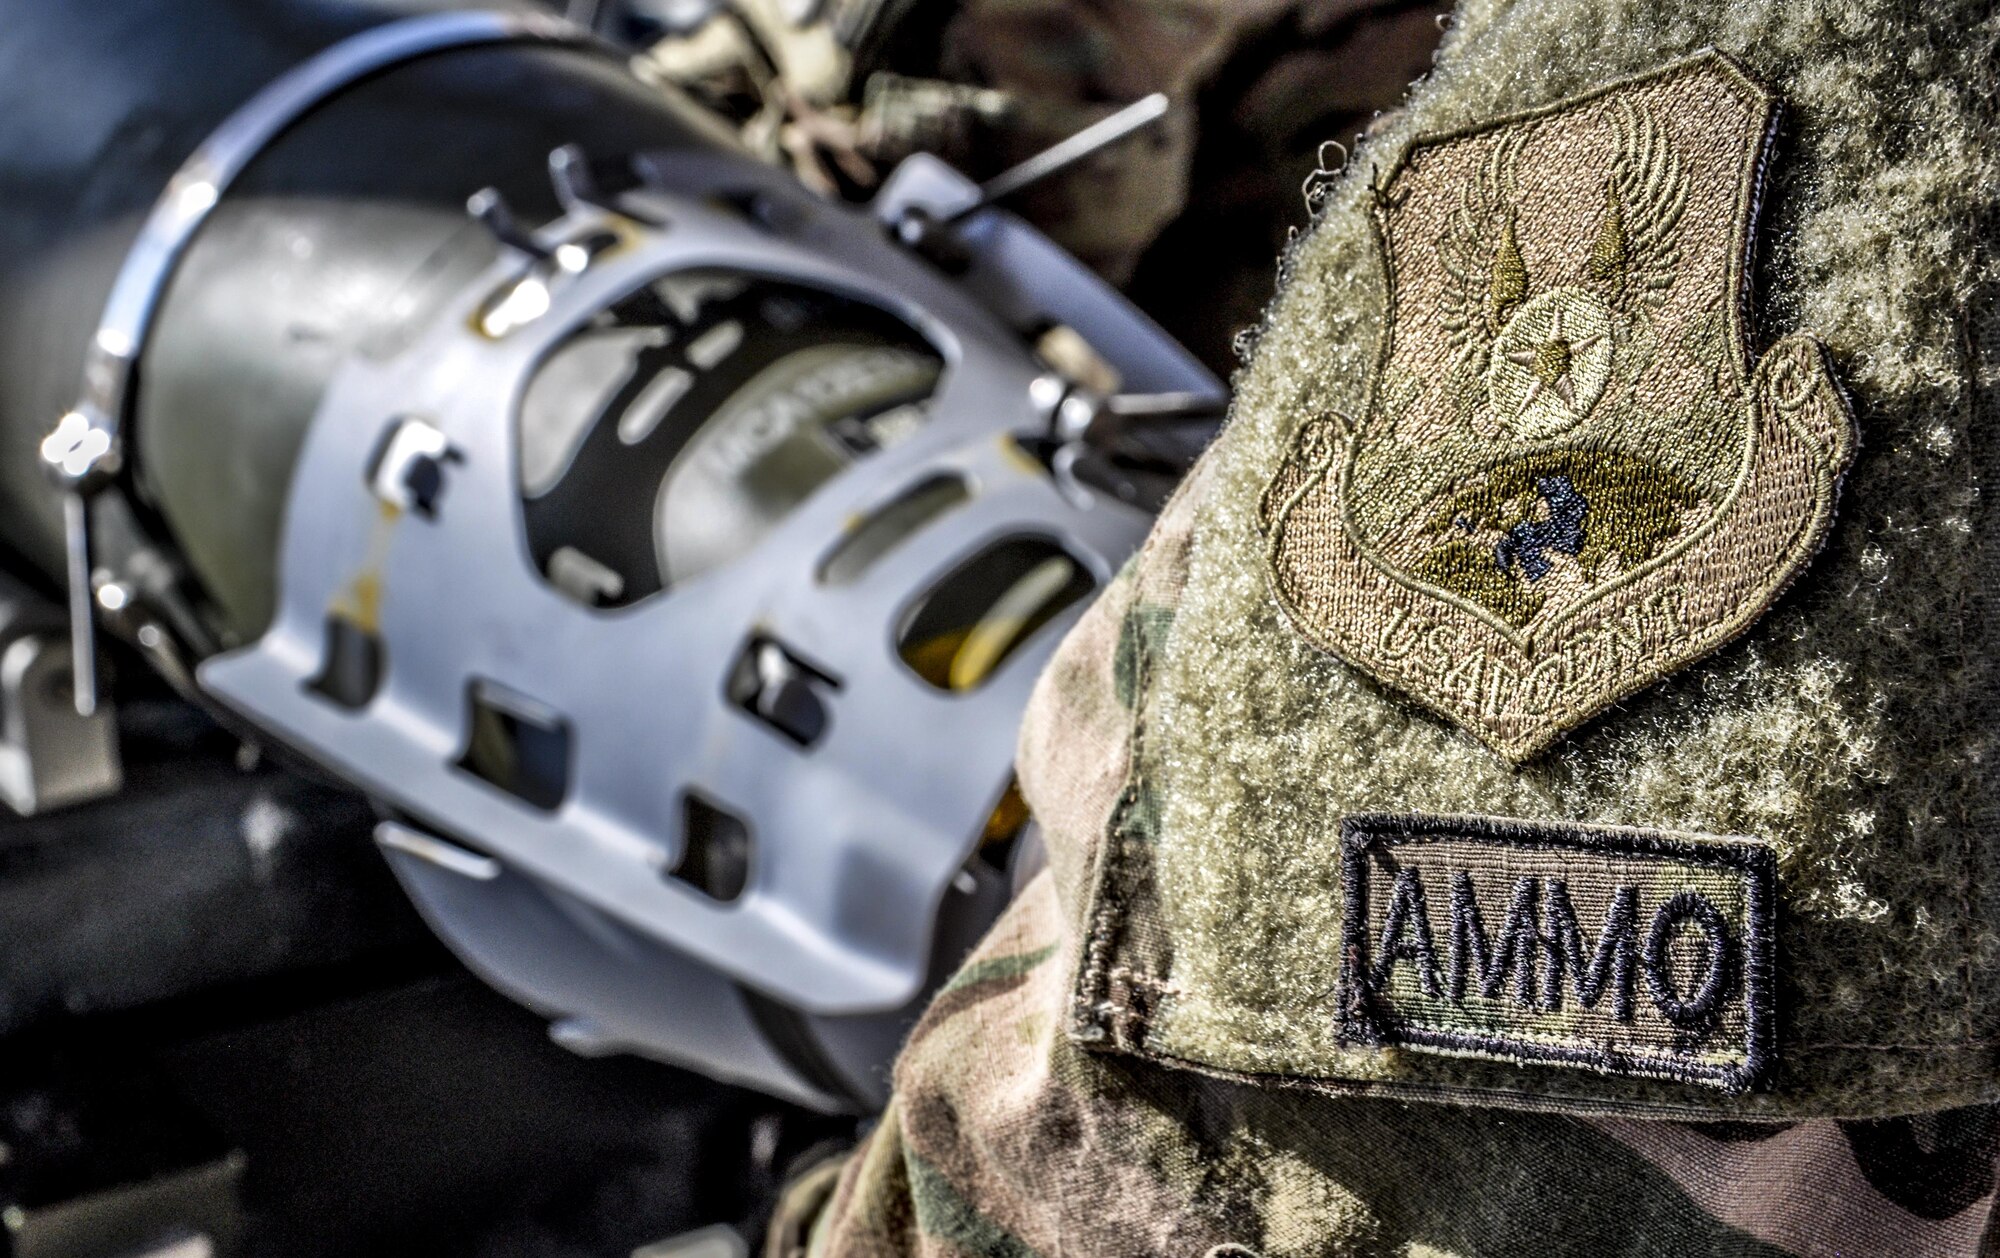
[(1363, 834)]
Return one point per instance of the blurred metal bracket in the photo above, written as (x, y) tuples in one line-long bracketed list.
[(49, 754)]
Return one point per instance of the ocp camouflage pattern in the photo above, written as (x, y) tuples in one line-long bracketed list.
[(1008, 1139), (1146, 1056)]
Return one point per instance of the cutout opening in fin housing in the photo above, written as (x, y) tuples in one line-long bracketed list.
[(892, 524), (671, 434), (521, 746), (778, 688), (715, 850), (964, 628), (351, 671)]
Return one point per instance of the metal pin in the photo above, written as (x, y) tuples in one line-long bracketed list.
[(569, 172), (1166, 407), (82, 617), (1065, 153), (491, 209)]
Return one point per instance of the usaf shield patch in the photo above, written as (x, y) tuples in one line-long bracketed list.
[(1570, 478)]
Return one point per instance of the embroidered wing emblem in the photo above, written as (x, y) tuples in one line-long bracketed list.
[(1570, 479)]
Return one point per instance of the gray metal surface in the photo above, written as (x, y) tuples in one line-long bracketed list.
[(92, 450), (608, 988), (856, 838), (1022, 276), (84, 452)]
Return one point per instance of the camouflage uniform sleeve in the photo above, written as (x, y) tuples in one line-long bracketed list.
[(1015, 1134), (989, 1054), (1008, 1139)]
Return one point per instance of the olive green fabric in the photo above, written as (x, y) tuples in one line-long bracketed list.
[(1850, 728)]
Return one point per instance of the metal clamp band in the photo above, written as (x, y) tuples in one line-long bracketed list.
[(85, 452)]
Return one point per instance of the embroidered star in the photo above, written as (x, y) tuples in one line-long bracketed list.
[(1551, 361)]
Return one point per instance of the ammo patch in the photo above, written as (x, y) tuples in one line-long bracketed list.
[(1631, 952), (1569, 480)]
